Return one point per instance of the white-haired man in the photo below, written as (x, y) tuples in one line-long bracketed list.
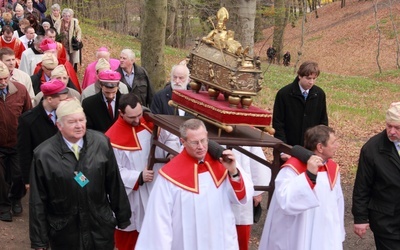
[(135, 77), (179, 80)]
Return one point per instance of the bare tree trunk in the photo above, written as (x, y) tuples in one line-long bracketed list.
[(379, 34), (170, 32), (281, 14), (300, 52), (184, 23), (241, 20), (152, 49), (142, 17), (395, 33)]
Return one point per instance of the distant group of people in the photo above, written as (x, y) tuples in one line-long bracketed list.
[(23, 21), (271, 56)]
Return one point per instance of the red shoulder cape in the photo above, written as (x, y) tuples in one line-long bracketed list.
[(182, 171), (299, 167), (124, 136)]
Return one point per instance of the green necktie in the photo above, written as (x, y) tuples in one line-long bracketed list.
[(75, 149)]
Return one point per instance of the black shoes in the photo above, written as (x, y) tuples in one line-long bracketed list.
[(16, 207), (6, 216)]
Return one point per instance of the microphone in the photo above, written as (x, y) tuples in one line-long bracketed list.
[(301, 153), (215, 150)]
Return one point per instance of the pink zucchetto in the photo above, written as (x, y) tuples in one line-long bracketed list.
[(393, 113), (48, 44), (53, 87), (109, 76), (102, 49)]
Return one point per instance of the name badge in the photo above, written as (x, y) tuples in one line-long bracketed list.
[(81, 179)]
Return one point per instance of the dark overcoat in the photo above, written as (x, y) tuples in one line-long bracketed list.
[(376, 194), (96, 112), (34, 127), (293, 115), (66, 215)]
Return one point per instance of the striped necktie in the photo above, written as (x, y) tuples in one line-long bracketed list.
[(305, 94)]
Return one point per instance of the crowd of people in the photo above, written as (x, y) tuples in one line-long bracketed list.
[(82, 149)]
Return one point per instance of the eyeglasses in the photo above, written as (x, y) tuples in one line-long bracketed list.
[(196, 144)]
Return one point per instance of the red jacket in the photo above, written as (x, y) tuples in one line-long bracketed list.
[(17, 102)]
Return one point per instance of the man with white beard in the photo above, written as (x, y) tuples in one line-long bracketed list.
[(179, 80)]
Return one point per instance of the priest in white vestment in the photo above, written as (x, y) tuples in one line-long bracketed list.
[(307, 207), (190, 206), (131, 139)]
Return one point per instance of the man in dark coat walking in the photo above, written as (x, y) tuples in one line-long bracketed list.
[(101, 109), (376, 194), (39, 124), (77, 197), (299, 106)]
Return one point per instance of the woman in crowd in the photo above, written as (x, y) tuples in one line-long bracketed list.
[(68, 27), (29, 9), (34, 23), (55, 14), (18, 15)]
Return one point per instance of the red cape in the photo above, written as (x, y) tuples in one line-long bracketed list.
[(299, 167), (124, 136), (182, 170)]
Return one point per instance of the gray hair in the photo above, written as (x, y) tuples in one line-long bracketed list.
[(67, 11), (129, 53), (192, 124), (38, 40), (55, 6)]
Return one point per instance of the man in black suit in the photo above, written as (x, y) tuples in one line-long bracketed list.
[(376, 202), (101, 109), (135, 77), (38, 124)]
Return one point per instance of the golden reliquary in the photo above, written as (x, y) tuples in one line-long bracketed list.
[(222, 65)]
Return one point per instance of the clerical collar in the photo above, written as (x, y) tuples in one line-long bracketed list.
[(35, 51)]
